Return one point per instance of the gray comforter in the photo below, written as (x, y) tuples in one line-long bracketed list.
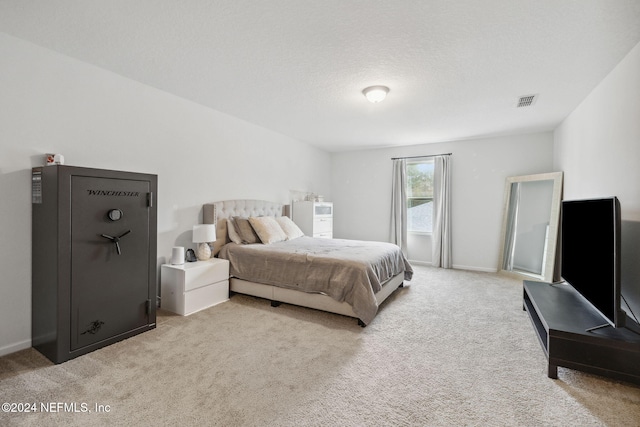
[(346, 270)]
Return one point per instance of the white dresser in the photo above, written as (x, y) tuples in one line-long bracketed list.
[(314, 218), (194, 286)]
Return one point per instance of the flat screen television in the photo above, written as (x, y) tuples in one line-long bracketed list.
[(590, 254)]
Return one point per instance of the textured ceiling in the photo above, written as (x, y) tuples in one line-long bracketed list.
[(455, 68)]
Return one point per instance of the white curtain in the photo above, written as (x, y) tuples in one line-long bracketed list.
[(399, 205), (441, 243)]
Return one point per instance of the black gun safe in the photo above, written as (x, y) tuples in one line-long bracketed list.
[(94, 238)]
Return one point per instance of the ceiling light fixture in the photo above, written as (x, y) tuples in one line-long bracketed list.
[(376, 93)]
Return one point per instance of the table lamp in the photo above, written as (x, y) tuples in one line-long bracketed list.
[(203, 234)]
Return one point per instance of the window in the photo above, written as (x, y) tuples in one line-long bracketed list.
[(420, 196)]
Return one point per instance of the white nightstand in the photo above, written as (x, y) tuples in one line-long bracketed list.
[(194, 286)]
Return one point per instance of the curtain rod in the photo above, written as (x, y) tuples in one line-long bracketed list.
[(420, 157)]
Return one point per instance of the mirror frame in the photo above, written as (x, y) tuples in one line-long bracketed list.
[(554, 223)]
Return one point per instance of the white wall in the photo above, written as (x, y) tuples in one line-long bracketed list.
[(598, 147), (361, 192), (51, 103), (598, 144)]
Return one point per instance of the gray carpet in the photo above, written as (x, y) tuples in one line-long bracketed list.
[(453, 348)]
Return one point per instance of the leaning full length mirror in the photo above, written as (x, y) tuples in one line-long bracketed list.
[(530, 225)]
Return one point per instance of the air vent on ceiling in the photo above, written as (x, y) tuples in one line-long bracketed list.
[(527, 101)]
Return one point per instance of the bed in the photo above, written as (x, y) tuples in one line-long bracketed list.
[(346, 277)]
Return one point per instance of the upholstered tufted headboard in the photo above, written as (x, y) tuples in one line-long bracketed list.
[(218, 212)]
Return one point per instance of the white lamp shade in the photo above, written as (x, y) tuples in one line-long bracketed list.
[(204, 233)]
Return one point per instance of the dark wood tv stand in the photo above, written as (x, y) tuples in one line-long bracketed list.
[(561, 317)]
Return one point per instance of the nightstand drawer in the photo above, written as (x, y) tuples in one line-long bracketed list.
[(204, 273), (205, 297)]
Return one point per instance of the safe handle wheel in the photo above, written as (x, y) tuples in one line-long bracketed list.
[(116, 240)]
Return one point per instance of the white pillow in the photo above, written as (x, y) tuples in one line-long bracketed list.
[(267, 229), (289, 227)]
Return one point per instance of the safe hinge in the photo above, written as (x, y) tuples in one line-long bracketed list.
[(150, 199), (148, 307)]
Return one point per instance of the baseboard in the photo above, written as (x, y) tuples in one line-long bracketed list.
[(457, 267), (8, 349), (470, 268)]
